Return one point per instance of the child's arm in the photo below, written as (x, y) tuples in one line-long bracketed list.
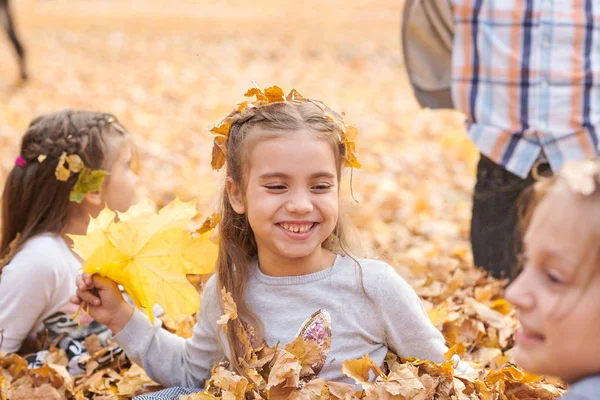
[(409, 331), (168, 359)]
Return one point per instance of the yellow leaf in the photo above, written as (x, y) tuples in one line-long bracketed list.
[(256, 92), (295, 96), (402, 382), (502, 306), (229, 381), (359, 370), (222, 128), (242, 106), (198, 396), (458, 349), (274, 94), (285, 369), (75, 163), (149, 255), (306, 351), (229, 309), (218, 157), (61, 172)]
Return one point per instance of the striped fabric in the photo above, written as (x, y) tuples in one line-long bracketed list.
[(527, 75), (167, 394)]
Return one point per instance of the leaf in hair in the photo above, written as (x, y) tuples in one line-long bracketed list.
[(218, 157), (61, 172), (295, 96), (149, 254), (242, 106), (219, 150), (348, 139), (88, 181), (75, 163), (256, 92), (274, 94)]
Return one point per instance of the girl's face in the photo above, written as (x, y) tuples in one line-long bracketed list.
[(291, 197), (119, 189), (557, 296)]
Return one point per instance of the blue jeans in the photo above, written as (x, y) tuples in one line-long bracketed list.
[(495, 237)]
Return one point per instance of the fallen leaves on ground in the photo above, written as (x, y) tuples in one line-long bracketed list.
[(170, 70)]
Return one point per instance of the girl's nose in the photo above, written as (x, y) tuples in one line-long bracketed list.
[(299, 203), (519, 292)]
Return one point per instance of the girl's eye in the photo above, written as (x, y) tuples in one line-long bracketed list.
[(322, 187), (275, 187), (554, 278)]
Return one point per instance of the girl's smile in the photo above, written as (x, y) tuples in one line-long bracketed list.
[(291, 201), (298, 230)]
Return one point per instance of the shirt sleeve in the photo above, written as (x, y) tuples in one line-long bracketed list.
[(427, 37), (27, 285), (408, 330), (172, 360)]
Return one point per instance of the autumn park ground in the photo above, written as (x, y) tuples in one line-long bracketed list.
[(170, 69)]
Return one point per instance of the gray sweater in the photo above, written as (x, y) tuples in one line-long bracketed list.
[(343, 318), (585, 389)]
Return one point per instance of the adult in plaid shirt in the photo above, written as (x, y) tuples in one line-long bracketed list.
[(526, 74)]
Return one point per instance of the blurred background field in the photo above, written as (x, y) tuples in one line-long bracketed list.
[(171, 69)]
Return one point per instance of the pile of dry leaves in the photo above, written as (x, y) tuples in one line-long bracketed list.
[(477, 323)]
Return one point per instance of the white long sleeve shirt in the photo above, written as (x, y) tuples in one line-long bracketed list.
[(36, 284)]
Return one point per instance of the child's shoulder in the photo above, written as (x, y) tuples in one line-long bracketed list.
[(41, 252), (381, 278), (375, 269)]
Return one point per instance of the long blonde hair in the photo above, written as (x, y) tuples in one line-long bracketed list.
[(237, 247)]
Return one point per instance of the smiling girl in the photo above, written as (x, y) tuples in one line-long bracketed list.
[(557, 296), (285, 259)]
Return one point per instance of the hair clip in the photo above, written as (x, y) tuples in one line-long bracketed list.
[(21, 162)]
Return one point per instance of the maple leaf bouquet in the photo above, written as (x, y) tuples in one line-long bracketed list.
[(149, 254)]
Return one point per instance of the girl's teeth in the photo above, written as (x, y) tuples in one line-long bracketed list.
[(297, 228)]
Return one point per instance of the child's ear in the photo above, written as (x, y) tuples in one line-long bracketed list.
[(94, 198), (236, 198)]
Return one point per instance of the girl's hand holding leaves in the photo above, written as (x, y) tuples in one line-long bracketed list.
[(149, 254)]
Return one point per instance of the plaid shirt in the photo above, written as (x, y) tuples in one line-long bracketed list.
[(527, 75)]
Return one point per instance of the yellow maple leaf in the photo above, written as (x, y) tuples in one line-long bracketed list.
[(149, 254)]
